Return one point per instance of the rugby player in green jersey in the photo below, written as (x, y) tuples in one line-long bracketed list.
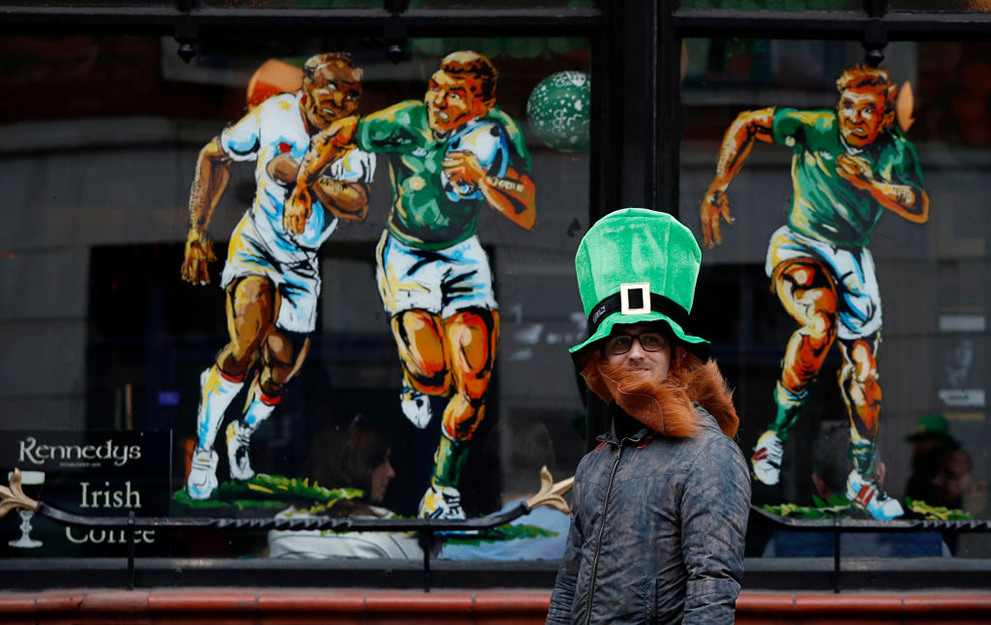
[(850, 166), (450, 155)]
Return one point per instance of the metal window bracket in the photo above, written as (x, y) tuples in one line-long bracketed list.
[(186, 34)]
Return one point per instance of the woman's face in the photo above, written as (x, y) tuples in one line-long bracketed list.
[(380, 479)]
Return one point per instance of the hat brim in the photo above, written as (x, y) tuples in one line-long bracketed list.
[(914, 436), (697, 345)]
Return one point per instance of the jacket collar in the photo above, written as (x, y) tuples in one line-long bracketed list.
[(622, 427)]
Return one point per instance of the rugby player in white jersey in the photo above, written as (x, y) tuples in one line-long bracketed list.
[(271, 276)]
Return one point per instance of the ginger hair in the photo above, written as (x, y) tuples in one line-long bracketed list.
[(866, 76), (666, 407), (469, 62)]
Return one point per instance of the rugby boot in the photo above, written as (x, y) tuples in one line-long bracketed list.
[(866, 493), (441, 502), (416, 407), (202, 479), (766, 461)]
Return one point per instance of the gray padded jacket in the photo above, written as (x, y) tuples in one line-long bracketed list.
[(657, 529)]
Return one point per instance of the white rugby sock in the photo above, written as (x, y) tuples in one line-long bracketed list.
[(218, 391)]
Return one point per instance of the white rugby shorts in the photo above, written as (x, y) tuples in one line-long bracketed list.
[(441, 282), (852, 271)]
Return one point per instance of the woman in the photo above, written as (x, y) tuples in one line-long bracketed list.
[(354, 457)]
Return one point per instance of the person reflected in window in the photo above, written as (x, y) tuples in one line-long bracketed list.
[(831, 464), (962, 489), (931, 441), (271, 277), (356, 457), (850, 166)]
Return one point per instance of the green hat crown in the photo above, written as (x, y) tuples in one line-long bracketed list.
[(933, 425), (637, 265)]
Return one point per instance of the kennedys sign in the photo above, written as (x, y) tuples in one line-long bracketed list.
[(98, 473)]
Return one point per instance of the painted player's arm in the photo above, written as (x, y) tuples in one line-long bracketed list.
[(513, 195), (283, 168), (908, 201), (324, 149), (348, 201), (749, 126), (209, 182)]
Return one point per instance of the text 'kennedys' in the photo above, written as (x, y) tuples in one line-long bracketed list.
[(39, 454)]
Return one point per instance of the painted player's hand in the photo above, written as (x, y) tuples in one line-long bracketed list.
[(339, 133), (199, 253), (297, 210), (855, 170), (715, 207), (463, 168)]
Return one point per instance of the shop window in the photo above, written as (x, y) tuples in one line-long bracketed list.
[(793, 301), (109, 352)]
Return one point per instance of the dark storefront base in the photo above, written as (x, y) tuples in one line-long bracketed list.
[(260, 591), (270, 606), (900, 575)]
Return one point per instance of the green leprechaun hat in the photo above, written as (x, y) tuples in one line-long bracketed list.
[(637, 265)]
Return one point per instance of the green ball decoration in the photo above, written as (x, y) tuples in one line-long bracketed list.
[(558, 110)]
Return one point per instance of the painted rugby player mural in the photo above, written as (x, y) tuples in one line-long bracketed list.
[(850, 166), (271, 277), (450, 156)]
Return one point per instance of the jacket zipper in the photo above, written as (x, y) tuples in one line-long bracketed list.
[(598, 540)]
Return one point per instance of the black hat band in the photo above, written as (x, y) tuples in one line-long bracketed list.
[(658, 304)]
